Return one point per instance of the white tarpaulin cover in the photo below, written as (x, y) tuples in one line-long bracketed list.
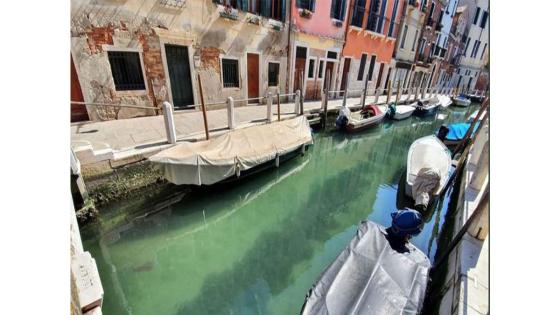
[(425, 185), (211, 161), (427, 153), (370, 277)]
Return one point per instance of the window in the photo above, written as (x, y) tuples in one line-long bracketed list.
[(311, 69), (273, 71), (362, 66), (306, 4), (483, 51), (358, 14), (475, 48), (274, 9), (230, 73), (338, 9), (320, 75), (126, 70), (376, 16), (483, 20), (301, 52), (476, 15), (414, 42), (332, 54), (422, 44), (431, 15), (403, 39), (393, 17), (371, 67), (467, 46)]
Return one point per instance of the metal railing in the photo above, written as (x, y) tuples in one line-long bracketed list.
[(393, 94)]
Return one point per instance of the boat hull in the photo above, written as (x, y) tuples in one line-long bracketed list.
[(425, 111), (461, 102), (352, 128)]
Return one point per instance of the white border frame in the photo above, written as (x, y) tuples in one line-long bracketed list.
[(222, 73), (315, 63), (267, 72), (107, 48)]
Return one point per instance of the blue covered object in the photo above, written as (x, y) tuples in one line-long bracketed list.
[(406, 222), (458, 131)]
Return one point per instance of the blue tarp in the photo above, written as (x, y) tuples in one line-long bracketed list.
[(458, 131)]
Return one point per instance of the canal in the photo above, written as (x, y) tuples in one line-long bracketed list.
[(257, 246)]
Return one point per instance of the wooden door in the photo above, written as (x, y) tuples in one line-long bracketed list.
[(329, 74), (253, 75), (77, 112), (299, 71), (345, 70), (179, 70)]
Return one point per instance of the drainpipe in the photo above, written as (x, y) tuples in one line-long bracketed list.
[(288, 63), (347, 19)]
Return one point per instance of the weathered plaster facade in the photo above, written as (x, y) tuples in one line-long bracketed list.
[(207, 29), (321, 36), (475, 44)]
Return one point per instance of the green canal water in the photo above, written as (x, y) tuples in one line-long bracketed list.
[(257, 246)]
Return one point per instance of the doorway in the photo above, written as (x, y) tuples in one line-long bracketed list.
[(77, 112), (344, 80), (299, 69), (329, 75), (253, 75), (179, 69)]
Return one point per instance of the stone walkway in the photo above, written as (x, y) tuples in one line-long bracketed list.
[(122, 138)]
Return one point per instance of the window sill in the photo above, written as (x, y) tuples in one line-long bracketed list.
[(131, 93), (336, 22)]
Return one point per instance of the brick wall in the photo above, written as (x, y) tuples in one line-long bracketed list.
[(98, 36)]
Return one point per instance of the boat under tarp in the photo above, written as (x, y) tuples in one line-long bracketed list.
[(372, 275), (215, 160), (427, 169), (456, 133)]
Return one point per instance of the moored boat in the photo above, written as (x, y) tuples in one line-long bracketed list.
[(453, 134), (400, 112), (368, 117), (234, 154), (427, 170), (461, 100), (444, 100), (427, 107), (479, 98), (375, 274)]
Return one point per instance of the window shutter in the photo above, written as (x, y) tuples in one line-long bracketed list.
[(343, 10), (283, 18), (312, 5), (333, 8), (265, 8), (244, 5), (381, 18)]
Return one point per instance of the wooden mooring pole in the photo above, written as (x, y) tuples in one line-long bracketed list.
[(278, 105), (203, 108)]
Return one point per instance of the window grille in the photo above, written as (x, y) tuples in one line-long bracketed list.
[(230, 73), (126, 70), (273, 71)]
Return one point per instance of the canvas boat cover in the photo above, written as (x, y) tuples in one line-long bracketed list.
[(428, 153), (459, 130), (370, 277), (211, 161), (425, 184)]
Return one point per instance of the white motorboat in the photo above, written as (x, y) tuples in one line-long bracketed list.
[(444, 100), (427, 170), (461, 100), (400, 112)]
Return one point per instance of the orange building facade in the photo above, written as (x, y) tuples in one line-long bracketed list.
[(370, 42)]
